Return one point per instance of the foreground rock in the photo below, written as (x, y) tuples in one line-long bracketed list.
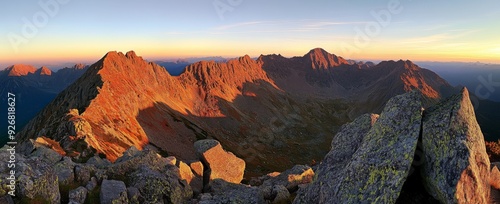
[(113, 192), (78, 196), (221, 164), (495, 178), (456, 167), (35, 176), (224, 192), (161, 186), (369, 160)]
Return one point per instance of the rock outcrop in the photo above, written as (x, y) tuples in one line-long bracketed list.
[(224, 192), (456, 167), (163, 186), (220, 163), (374, 170), (495, 178), (371, 158), (113, 191), (78, 195), (34, 177)]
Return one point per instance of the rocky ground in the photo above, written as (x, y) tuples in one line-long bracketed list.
[(404, 155)]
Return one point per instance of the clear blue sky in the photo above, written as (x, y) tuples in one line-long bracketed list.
[(85, 30)]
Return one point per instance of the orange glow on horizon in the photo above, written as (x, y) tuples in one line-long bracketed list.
[(375, 53)]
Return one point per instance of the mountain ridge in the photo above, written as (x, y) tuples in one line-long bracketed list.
[(273, 105)]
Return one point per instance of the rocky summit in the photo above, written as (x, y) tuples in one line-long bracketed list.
[(403, 155), (456, 167), (373, 167), (371, 158)]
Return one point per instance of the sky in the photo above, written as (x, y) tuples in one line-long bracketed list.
[(50, 32)]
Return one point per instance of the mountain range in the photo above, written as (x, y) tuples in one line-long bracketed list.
[(34, 89), (262, 109)]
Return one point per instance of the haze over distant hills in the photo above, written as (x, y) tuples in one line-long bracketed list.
[(477, 77)]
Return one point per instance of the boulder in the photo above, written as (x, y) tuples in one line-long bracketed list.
[(113, 192), (221, 164), (83, 172), (47, 154), (91, 184), (197, 168), (495, 178), (130, 153), (161, 186), (222, 191), (101, 175), (370, 158), (37, 179), (291, 178), (171, 160), (148, 158), (65, 171), (280, 195), (456, 167), (78, 195), (98, 162), (134, 195), (186, 173)]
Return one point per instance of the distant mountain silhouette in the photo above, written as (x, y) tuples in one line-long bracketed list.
[(34, 89), (176, 67)]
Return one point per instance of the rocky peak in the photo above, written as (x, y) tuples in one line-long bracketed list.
[(321, 59), (20, 70), (43, 71), (400, 65), (408, 65), (79, 66), (131, 54)]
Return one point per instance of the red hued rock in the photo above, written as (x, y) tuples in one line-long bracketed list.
[(495, 178), (321, 59), (185, 172), (43, 71), (221, 164), (197, 168), (21, 70)]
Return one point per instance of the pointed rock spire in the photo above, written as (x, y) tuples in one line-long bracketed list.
[(456, 167)]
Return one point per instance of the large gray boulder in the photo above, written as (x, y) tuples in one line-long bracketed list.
[(148, 158), (65, 171), (37, 179), (456, 167), (164, 186), (113, 192), (370, 158), (47, 154)]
